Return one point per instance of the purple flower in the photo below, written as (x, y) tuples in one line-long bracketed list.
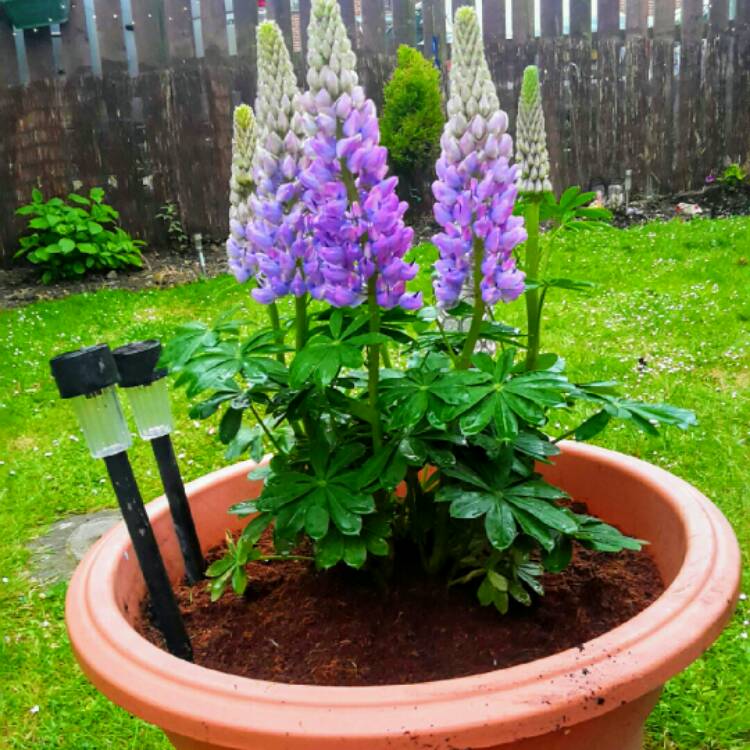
[(476, 186), (355, 219)]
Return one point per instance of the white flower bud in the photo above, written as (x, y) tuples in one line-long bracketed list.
[(532, 153)]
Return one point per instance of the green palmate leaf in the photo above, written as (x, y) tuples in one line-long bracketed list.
[(593, 425), (355, 552), (556, 560), (230, 425), (500, 525), (317, 520), (543, 511), (535, 528), (602, 537), (329, 551)]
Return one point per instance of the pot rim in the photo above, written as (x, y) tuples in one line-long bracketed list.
[(499, 706)]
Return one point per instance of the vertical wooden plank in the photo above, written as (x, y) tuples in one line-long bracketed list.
[(92, 34), (8, 65), (693, 26), (351, 21), (580, 17), (75, 52), (150, 34), (434, 30), (719, 14), (246, 21), (608, 17), (493, 21), (280, 11), (664, 18), (636, 17), (552, 18), (214, 22), (111, 38), (742, 16), (523, 20), (179, 30), (373, 26), (39, 54), (404, 23)]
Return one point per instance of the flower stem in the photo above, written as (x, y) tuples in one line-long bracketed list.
[(265, 429), (300, 308), (273, 314), (533, 301), (373, 362), (476, 320)]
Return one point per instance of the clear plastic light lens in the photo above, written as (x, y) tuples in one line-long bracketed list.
[(151, 409), (102, 422)]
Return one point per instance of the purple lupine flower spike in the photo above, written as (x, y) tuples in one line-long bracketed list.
[(277, 231), (476, 186), (356, 218)]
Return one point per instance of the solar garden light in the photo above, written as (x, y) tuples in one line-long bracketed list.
[(87, 377), (146, 387)]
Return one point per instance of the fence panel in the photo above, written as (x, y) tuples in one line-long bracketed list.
[(664, 18), (179, 30), (608, 16), (580, 17), (670, 108), (719, 14), (110, 35), (523, 20), (551, 18), (8, 64), (636, 16), (404, 23)]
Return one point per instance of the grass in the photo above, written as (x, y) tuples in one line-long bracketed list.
[(669, 317)]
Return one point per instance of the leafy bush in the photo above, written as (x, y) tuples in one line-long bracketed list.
[(412, 118), (68, 239), (169, 215), (733, 176)]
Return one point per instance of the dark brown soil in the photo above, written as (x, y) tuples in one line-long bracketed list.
[(168, 267), (299, 625)]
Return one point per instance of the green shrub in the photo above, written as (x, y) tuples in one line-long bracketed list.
[(733, 176), (68, 239), (412, 118)]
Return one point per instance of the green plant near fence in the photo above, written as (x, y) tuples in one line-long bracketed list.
[(412, 118), (69, 239)]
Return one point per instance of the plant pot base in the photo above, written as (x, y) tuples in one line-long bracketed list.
[(624, 723)]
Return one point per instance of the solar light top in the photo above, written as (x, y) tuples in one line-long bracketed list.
[(137, 362), (84, 371)]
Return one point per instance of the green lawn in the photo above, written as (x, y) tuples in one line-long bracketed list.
[(673, 296)]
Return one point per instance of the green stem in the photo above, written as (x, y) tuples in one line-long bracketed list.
[(476, 320), (265, 429), (300, 308), (440, 542), (269, 558), (373, 362), (273, 314), (533, 301)]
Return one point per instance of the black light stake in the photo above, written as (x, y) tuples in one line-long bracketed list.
[(147, 390), (87, 377)]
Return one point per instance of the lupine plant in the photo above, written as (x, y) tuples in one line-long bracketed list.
[(392, 437), (538, 205)]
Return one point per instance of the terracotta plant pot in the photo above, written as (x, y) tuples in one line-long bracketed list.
[(594, 697)]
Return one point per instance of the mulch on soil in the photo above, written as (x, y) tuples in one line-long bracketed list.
[(299, 625)]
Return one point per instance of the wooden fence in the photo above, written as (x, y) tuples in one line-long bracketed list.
[(136, 95)]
